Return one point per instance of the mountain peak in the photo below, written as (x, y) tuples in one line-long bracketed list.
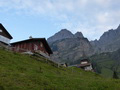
[(62, 34), (79, 35), (64, 30)]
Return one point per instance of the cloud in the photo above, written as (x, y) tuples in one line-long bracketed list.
[(103, 2), (44, 6), (102, 18), (92, 17)]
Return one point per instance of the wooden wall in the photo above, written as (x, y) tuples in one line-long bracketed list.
[(30, 46)]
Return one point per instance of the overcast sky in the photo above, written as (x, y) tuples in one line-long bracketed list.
[(43, 18)]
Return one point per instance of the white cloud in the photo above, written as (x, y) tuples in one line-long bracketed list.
[(103, 18), (92, 17)]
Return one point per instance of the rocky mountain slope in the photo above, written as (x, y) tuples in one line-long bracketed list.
[(69, 47), (108, 42)]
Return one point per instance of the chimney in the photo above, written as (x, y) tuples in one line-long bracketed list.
[(30, 37)]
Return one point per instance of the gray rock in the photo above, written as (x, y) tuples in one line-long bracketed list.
[(79, 35), (69, 47)]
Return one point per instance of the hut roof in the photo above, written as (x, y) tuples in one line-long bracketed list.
[(84, 65), (3, 28)]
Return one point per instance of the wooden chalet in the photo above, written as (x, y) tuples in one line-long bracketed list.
[(5, 37), (33, 45), (85, 64)]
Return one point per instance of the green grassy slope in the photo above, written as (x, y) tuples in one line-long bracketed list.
[(106, 63), (103, 64), (22, 72)]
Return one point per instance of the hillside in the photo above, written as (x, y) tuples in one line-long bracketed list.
[(106, 63), (23, 72)]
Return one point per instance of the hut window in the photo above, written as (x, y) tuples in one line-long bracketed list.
[(4, 39), (41, 45), (35, 47), (0, 30), (84, 62)]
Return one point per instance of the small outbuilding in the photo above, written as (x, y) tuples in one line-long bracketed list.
[(33, 45)]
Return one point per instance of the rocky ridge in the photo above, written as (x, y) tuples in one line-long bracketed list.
[(64, 34), (108, 42)]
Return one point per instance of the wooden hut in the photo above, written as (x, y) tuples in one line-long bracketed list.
[(5, 37), (85, 64), (32, 45)]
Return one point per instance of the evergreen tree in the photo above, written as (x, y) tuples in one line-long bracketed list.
[(115, 76)]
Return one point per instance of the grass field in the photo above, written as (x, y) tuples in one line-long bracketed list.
[(23, 72)]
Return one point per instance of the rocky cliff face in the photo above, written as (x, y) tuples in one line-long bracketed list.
[(72, 49), (69, 47), (108, 42)]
